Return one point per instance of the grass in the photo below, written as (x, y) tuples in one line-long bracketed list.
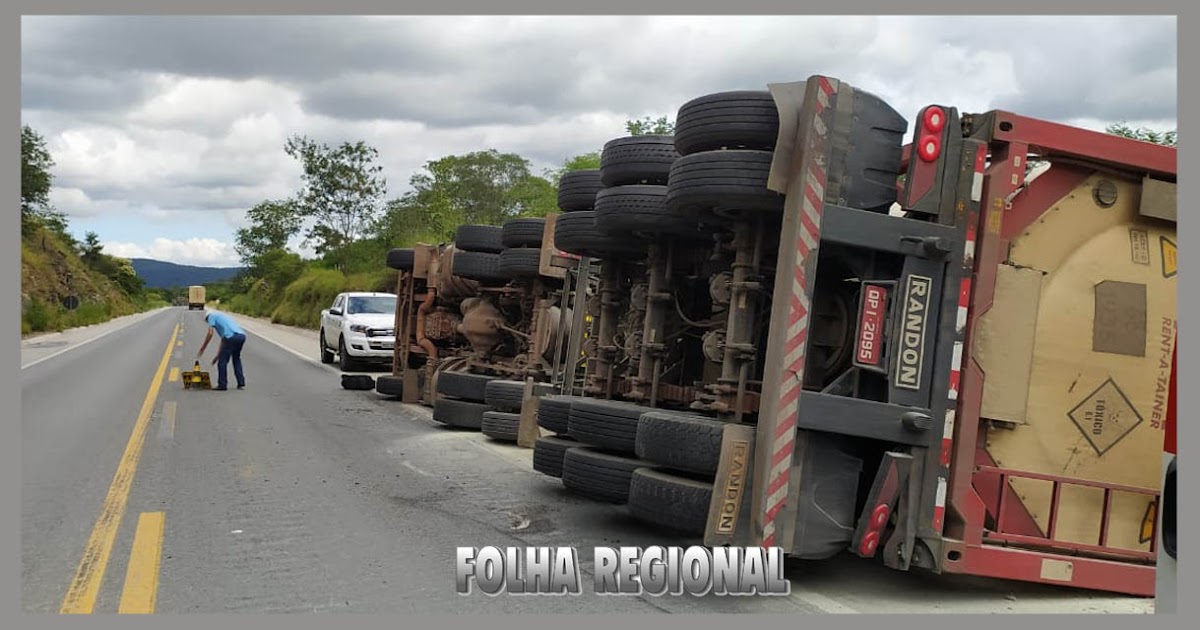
[(302, 301)]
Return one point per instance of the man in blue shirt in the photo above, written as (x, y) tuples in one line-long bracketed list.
[(232, 340)]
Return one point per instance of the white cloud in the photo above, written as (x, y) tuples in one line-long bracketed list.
[(203, 252)]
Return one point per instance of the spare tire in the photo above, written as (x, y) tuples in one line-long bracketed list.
[(402, 258)]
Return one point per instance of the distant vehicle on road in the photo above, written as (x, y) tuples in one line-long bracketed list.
[(196, 298), (358, 327)]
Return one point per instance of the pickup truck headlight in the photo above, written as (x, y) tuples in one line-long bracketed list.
[(358, 328)]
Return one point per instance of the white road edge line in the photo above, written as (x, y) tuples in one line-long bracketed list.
[(90, 340), (294, 352)]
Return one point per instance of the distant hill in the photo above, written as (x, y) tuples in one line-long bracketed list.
[(159, 274)]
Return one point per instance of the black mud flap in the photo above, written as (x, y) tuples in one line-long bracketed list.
[(829, 482)]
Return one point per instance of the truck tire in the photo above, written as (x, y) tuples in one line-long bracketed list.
[(669, 501), (606, 424), (464, 385), (481, 266), (598, 475), (726, 180), (727, 120), (643, 210), (637, 160), (504, 395), (459, 413), (554, 413), (548, 453), (402, 258), (501, 426), (680, 441), (577, 190), (576, 233), (519, 263), (478, 238), (390, 385), (358, 382), (522, 233)]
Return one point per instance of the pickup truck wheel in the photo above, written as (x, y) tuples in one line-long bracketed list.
[(520, 263), (642, 209), (504, 395), (501, 426), (554, 413), (402, 258), (478, 238), (459, 413), (680, 441), (598, 475), (522, 232), (669, 501), (637, 160), (731, 181), (548, 454), (464, 385), (345, 362), (576, 233), (607, 424), (727, 120), (326, 354), (481, 266), (577, 190)]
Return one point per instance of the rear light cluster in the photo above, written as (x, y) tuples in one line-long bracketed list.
[(930, 145), (870, 540)]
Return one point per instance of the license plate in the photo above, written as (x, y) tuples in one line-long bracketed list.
[(868, 350)]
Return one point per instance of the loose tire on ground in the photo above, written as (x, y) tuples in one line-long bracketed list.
[(390, 385), (548, 453), (727, 120), (464, 385), (504, 395), (479, 238), (577, 190), (522, 232), (671, 501), (358, 382), (637, 160), (680, 441), (598, 475), (732, 181), (459, 413), (402, 258), (501, 426)]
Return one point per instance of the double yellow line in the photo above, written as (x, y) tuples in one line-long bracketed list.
[(141, 583)]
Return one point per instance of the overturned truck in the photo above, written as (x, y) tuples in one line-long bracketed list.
[(953, 355)]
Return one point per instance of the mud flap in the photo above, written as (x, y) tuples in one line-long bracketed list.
[(828, 493), (729, 520), (890, 479)]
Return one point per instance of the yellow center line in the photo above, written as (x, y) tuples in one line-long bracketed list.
[(81, 595), (174, 375), (141, 576), (179, 343)]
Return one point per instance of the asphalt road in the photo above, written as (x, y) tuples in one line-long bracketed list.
[(294, 495)]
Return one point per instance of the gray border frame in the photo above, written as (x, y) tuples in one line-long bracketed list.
[(10, 377)]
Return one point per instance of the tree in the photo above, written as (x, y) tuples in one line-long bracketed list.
[(581, 162), (342, 190), (1145, 134), (91, 249), (36, 163), (647, 126), (272, 224)]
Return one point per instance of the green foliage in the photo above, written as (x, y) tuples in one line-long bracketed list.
[(36, 163), (661, 126), (272, 223), (1145, 134), (341, 194), (582, 162)]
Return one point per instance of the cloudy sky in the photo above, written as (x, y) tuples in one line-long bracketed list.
[(165, 130)]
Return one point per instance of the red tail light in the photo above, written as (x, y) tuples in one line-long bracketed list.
[(934, 119), (929, 148)]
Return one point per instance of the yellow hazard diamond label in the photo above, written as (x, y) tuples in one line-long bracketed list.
[(1170, 260)]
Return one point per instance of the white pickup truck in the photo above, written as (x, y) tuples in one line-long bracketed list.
[(358, 327)]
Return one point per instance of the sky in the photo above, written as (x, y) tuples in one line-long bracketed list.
[(165, 130)]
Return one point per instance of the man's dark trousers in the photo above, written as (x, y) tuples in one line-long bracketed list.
[(231, 348)]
